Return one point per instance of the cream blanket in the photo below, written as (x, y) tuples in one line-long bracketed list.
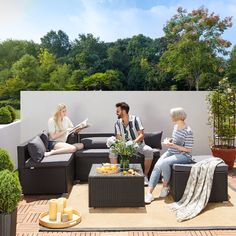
[(197, 191)]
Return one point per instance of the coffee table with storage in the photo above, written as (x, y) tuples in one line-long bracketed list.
[(116, 190)]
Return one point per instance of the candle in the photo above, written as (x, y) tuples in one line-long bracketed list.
[(64, 218), (53, 209), (64, 200), (60, 205), (69, 212)]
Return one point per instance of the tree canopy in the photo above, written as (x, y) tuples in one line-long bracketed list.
[(192, 55)]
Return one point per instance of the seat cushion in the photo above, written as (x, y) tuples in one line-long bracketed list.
[(94, 142), (36, 149), (51, 161), (153, 139), (92, 152), (187, 167)]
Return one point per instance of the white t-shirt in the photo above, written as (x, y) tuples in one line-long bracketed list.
[(65, 124)]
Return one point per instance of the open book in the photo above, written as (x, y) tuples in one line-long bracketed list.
[(82, 125)]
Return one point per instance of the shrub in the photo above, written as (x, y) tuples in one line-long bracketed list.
[(12, 111), (5, 116), (5, 161), (13, 103), (222, 114), (10, 191)]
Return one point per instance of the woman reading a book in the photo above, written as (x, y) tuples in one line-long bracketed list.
[(59, 126)]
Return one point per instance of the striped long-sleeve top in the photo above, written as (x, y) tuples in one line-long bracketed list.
[(182, 137)]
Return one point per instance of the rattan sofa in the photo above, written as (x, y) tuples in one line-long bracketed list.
[(56, 174)]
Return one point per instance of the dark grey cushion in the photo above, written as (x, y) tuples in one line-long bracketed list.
[(36, 149), (153, 139), (94, 142), (92, 153), (187, 167), (44, 137), (51, 161)]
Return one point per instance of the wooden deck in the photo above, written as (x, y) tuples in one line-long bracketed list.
[(30, 208)]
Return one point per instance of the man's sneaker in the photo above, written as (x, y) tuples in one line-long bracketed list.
[(145, 181), (164, 192), (148, 198)]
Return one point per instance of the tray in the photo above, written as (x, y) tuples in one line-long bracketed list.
[(104, 169), (44, 221), (108, 171)]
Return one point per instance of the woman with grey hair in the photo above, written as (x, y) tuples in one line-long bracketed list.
[(179, 151)]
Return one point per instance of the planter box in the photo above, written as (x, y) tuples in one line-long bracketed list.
[(8, 224)]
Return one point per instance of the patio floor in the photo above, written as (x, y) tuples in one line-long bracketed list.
[(30, 208)]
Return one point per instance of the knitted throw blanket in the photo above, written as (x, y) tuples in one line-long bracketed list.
[(197, 191)]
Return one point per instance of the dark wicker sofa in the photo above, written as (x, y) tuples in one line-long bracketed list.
[(95, 151), (55, 174)]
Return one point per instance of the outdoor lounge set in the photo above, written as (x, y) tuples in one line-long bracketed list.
[(57, 173)]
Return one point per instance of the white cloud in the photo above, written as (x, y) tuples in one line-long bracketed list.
[(12, 11), (113, 24)]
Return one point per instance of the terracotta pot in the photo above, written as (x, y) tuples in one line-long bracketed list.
[(226, 154)]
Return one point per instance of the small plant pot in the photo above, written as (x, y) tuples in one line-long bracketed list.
[(228, 155), (8, 224)]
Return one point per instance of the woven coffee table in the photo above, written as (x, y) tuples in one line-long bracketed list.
[(116, 190)]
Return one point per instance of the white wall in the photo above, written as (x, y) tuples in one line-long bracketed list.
[(99, 106), (10, 138)]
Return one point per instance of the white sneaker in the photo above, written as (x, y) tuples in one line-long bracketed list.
[(145, 180), (164, 192), (148, 198)]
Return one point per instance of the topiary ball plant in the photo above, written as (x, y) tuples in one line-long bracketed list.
[(5, 116), (5, 161), (10, 191), (12, 111)]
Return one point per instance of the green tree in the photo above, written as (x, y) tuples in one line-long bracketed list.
[(110, 80), (89, 53), (27, 69), (48, 64), (189, 60), (56, 43), (11, 88), (12, 50), (195, 45), (231, 69), (60, 76)]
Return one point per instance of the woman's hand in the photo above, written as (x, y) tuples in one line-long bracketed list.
[(78, 130)]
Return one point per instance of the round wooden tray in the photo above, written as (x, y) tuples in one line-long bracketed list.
[(44, 221), (107, 172)]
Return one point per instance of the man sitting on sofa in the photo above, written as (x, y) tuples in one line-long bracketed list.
[(129, 127)]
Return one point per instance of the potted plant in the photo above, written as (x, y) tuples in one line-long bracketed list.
[(10, 195), (124, 149), (5, 161), (222, 117)]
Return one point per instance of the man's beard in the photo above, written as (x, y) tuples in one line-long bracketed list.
[(119, 116)]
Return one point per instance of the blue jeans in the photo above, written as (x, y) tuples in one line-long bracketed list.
[(164, 164)]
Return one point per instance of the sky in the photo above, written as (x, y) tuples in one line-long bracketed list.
[(107, 19)]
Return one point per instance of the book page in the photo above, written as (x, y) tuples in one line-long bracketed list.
[(81, 125)]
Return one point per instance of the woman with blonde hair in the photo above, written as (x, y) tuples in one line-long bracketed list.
[(179, 151), (59, 127)]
